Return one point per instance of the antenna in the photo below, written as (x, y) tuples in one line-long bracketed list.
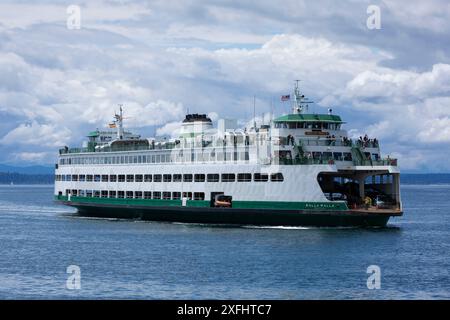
[(254, 112), (301, 103), (271, 111), (119, 119)]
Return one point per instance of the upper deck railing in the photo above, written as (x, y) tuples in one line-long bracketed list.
[(330, 161)]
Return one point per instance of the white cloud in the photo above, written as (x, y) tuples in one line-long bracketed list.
[(33, 157), (161, 58), (45, 135), (171, 129), (399, 84), (23, 15)]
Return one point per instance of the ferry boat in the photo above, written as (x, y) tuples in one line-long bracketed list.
[(302, 169)]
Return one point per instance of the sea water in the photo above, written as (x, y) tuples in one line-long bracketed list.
[(48, 252)]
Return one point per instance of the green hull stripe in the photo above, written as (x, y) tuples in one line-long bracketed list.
[(282, 205)]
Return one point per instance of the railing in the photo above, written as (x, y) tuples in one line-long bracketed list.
[(112, 149), (331, 161), (303, 161), (380, 162)]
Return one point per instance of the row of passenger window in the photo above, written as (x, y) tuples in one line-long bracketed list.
[(165, 195), (175, 156), (200, 177)]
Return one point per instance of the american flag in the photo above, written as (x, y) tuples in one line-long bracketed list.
[(286, 97)]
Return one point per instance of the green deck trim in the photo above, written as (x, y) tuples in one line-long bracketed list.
[(281, 205), (309, 118)]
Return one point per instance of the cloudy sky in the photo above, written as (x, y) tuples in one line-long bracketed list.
[(161, 58)]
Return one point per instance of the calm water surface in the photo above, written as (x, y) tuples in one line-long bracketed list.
[(146, 260)]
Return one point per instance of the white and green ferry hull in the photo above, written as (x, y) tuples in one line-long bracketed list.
[(242, 213), (298, 200)]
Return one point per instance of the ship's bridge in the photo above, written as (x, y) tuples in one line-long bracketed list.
[(306, 127), (309, 123)]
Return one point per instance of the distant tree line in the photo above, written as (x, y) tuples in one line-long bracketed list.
[(19, 178)]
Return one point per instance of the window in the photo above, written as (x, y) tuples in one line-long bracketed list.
[(157, 178), (228, 177), (347, 156), (167, 177), (89, 178), (187, 195), (199, 196), (166, 195), (156, 195), (82, 178), (244, 156), (105, 178), (276, 177), (337, 156), (130, 178), (327, 156), (97, 178), (120, 194), (187, 177), (129, 194), (104, 194), (212, 177), (261, 177), (199, 177), (113, 178), (112, 194), (138, 194), (177, 178), (244, 177), (176, 195), (147, 178), (89, 193), (96, 194), (68, 177), (138, 178), (121, 178), (317, 155), (74, 177), (147, 194)]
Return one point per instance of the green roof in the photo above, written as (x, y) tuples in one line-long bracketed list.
[(309, 118), (93, 134)]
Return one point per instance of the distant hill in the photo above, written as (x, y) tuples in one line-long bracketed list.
[(19, 178), (28, 169), (26, 175)]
